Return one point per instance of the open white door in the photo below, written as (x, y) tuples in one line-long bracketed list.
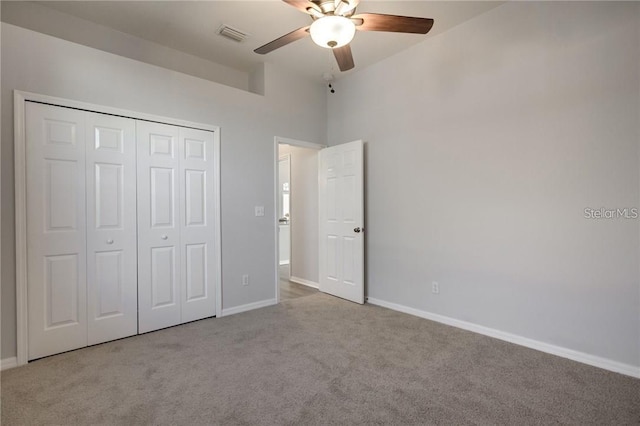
[(342, 221)]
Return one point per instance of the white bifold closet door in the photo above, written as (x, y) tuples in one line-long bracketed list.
[(80, 228), (112, 308), (176, 268)]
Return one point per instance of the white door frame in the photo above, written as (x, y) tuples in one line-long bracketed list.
[(19, 100), (276, 158), (286, 157)]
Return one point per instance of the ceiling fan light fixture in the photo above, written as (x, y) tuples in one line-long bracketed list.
[(332, 31)]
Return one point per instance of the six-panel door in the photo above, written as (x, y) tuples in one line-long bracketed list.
[(176, 267), (341, 251), (92, 257), (159, 266), (56, 230), (111, 227), (196, 231)]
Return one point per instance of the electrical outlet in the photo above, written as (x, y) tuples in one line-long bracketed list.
[(245, 279), (435, 288), (259, 210)]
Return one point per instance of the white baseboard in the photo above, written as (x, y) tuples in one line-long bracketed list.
[(248, 307), (302, 281), (596, 361), (8, 363)]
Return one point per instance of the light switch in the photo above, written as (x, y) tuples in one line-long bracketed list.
[(259, 211)]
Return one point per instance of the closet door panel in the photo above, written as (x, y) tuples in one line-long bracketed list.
[(111, 227), (159, 263), (56, 231), (197, 227)]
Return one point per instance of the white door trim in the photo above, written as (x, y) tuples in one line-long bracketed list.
[(276, 158), (19, 100), (286, 157)]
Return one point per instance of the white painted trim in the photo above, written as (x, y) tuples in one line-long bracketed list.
[(20, 177), (302, 281), (8, 363), (249, 307), (288, 262), (19, 100), (276, 226), (276, 158), (69, 103), (217, 238), (301, 144), (571, 354)]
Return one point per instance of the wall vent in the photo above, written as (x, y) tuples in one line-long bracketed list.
[(232, 33)]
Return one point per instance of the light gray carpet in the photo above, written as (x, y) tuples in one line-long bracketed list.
[(315, 360)]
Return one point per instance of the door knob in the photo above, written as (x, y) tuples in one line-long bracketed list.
[(109, 241), (357, 230), (164, 237)]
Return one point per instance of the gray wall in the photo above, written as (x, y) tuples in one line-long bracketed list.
[(304, 212), (293, 106), (484, 146), (46, 20)]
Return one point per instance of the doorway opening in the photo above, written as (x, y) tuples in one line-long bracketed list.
[(296, 218)]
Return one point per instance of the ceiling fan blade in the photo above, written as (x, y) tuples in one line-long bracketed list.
[(283, 41), (303, 5), (393, 23), (344, 57)]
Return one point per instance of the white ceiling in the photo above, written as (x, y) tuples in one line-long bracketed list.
[(191, 27)]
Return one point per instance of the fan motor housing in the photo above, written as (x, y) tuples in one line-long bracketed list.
[(327, 6)]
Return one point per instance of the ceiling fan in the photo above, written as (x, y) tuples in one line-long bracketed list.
[(335, 23)]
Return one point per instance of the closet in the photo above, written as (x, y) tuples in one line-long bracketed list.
[(120, 227), (174, 242)]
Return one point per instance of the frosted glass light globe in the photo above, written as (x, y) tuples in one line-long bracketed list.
[(332, 31)]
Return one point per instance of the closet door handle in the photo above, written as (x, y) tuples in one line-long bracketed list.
[(109, 241), (164, 237)]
